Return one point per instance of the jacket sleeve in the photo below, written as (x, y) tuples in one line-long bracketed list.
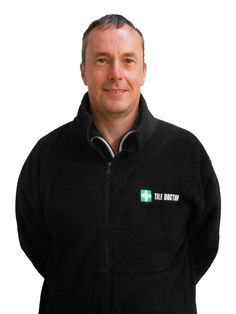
[(32, 229), (204, 227)]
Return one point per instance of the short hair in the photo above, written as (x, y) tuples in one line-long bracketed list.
[(106, 22)]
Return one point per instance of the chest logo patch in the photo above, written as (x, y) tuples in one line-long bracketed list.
[(147, 196)]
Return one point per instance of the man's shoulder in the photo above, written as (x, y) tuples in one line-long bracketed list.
[(56, 134), (173, 131), (180, 140), (55, 140)]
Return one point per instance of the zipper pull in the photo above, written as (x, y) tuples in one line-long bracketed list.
[(108, 171)]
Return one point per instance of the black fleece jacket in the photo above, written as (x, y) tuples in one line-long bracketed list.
[(125, 234)]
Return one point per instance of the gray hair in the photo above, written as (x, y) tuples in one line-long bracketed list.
[(106, 22)]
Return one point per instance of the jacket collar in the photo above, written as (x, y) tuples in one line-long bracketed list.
[(142, 129)]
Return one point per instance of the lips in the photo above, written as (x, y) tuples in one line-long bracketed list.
[(111, 90), (115, 92)]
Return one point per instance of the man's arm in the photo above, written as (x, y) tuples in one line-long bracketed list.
[(205, 240), (204, 222), (32, 229)]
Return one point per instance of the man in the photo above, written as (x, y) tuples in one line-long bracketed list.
[(117, 210)]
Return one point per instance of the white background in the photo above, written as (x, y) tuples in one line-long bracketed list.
[(191, 82)]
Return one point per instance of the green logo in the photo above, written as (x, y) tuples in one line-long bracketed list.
[(146, 196)]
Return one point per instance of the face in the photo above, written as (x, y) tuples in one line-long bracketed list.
[(114, 70)]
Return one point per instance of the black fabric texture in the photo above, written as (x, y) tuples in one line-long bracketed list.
[(131, 234)]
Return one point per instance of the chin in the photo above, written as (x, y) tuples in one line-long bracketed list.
[(117, 107)]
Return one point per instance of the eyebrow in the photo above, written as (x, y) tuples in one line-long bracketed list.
[(130, 54), (101, 53), (107, 54)]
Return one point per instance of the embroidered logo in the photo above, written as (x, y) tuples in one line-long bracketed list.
[(146, 196), (166, 197)]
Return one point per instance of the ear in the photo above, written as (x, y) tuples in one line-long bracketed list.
[(144, 73), (83, 73)]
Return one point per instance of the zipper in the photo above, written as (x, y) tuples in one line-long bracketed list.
[(107, 242)]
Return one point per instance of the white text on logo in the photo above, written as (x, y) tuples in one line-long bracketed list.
[(166, 197)]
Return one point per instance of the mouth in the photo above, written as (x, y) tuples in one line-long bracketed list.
[(115, 91)]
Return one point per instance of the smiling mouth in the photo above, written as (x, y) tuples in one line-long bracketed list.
[(115, 91)]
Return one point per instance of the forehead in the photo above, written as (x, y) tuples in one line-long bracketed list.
[(112, 39)]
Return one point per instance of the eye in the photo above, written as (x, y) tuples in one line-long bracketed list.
[(129, 60), (101, 61)]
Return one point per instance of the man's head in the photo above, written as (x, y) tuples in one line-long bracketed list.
[(113, 65), (111, 20)]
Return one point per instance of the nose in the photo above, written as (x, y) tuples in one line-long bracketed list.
[(115, 72)]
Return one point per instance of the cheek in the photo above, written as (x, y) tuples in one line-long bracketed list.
[(142, 77), (136, 80), (95, 78), (136, 77)]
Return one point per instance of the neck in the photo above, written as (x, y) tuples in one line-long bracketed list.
[(114, 128)]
